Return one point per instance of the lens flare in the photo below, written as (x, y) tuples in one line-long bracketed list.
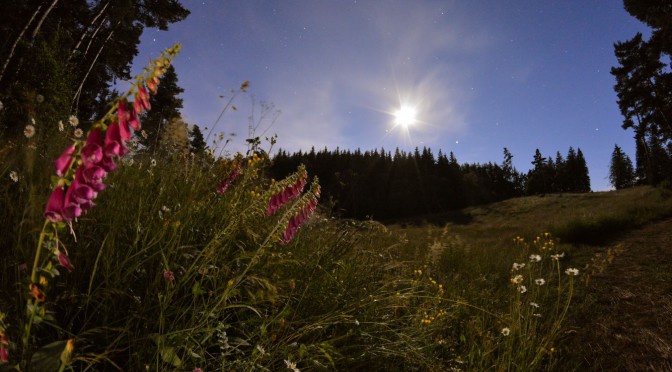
[(405, 116)]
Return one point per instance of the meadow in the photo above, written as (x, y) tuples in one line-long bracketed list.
[(189, 262)]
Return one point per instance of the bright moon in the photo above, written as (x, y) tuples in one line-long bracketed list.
[(405, 116)]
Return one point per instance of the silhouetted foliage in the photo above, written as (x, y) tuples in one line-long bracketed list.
[(621, 172), (69, 53), (644, 87), (196, 142)]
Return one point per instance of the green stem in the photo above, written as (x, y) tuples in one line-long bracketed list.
[(33, 279), (33, 275)]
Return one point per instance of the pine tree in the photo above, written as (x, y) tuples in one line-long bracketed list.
[(174, 137), (166, 107), (621, 172), (537, 177), (196, 143), (582, 176), (644, 85)]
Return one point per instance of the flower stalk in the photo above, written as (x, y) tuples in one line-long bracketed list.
[(81, 170)]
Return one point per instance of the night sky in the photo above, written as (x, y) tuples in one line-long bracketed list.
[(482, 75)]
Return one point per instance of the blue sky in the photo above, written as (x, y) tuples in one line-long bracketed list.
[(483, 75)]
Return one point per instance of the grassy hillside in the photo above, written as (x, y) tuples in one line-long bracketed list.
[(591, 219), (604, 234)]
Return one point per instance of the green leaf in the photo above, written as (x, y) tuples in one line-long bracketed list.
[(169, 356), (196, 290), (167, 353), (48, 357)]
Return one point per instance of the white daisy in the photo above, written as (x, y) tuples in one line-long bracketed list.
[(29, 131), (572, 272), (557, 257), (535, 258), (291, 365)]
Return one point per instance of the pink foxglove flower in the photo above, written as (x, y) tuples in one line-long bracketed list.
[(64, 161), (92, 152), (108, 164), (287, 194), (123, 116), (93, 176), (232, 177), (144, 97), (114, 145), (54, 210), (133, 120), (151, 85), (83, 193), (137, 105), (64, 261), (299, 219), (71, 208)]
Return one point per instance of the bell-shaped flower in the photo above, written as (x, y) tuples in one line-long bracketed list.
[(91, 175), (71, 208), (87, 205), (54, 210), (64, 161), (114, 146), (92, 152), (133, 120), (82, 192), (144, 97), (152, 86), (108, 164), (123, 116), (232, 177), (137, 105), (63, 260)]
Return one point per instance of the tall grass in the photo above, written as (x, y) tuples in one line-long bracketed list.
[(190, 262)]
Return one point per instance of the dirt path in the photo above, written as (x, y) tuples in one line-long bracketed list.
[(627, 322)]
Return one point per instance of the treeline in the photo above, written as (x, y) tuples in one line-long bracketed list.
[(384, 185)]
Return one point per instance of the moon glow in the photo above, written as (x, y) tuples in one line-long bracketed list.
[(405, 116)]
